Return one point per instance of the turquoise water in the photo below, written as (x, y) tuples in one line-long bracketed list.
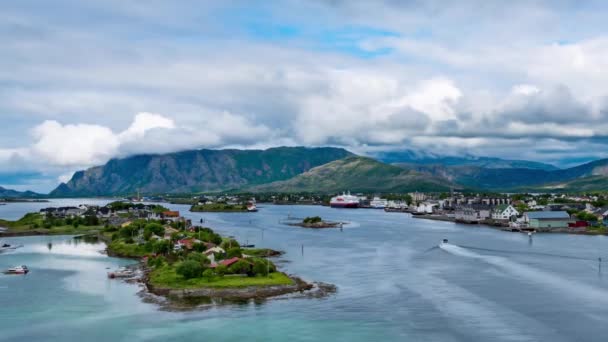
[(394, 284)]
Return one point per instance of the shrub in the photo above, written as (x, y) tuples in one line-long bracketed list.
[(312, 220), (200, 258), (261, 267), (234, 252), (221, 270), (229, 243), (240, 267), (208, 274), (189, 269)]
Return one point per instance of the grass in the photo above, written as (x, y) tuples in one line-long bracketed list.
[(167, 278), (127, 250)]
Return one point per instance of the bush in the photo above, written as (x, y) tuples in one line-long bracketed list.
[(208, 274), (312, 220), (156, 262), (154, 228), (229, 243), (234, 252), (200, 258), (221, 270), (240, 267), (189, 269), (261, 267)]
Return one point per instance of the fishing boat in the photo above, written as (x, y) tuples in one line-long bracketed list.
[(17, 270)]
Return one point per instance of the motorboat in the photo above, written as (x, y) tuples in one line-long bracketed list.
[(8, 247), (17, 270), (444, 241)]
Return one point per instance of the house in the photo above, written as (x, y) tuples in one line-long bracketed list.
[(472, 213), (184, 244), (504, 212), (170, 215), (170, 231), (426, 207), (229, 262), (214, 250), (547, 220)]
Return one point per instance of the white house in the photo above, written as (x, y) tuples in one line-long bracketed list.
[(504, 212), (426, 207)]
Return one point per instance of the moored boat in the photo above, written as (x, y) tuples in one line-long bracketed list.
[(378, 203), (344, 201)]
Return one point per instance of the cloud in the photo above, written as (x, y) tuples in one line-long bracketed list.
[(392, 74)]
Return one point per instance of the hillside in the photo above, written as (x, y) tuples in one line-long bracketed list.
[(414, 158), (8, 193), (357, 174), (512, 178), (196, 171)]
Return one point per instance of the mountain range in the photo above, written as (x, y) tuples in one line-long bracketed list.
[(323, 169), (8, 193)]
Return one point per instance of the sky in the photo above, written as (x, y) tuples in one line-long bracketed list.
[(82, 82)]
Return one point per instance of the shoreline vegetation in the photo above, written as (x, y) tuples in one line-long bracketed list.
[(175, 259), (316, 222), (219, 208)]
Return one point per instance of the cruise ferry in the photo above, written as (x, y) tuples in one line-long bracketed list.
[(344, 201), (378, 203)]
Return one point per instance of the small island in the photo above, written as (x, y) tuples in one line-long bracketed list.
[(176, 259), (316, 222)]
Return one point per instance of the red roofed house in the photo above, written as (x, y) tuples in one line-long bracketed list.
[(229, 262), (184, 243)]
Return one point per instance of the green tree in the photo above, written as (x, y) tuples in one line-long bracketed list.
[(208, 274), (240, 267), (260, 267), (221, 270), (234, 252), (189, 269)]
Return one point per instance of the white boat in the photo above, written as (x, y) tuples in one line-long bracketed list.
[(344, 201), (17, 270), (122, 272), (251, 207), (378, 203)]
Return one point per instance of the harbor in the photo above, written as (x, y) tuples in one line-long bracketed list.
[(390, 266)]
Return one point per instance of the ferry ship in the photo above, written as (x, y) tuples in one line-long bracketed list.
[(378, 203), (344, 201)]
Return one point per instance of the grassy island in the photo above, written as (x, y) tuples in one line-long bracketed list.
[(219, 207), (37, 224), (316, 222)]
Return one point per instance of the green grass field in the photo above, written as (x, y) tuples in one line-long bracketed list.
[(167, 278)]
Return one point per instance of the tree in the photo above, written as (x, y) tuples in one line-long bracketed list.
[(312, 220), (229, 243), (260, 267), (200, 258), (189, 269), (234, 252), (154, 228), (221, 270), (208, 274), (240, 267)]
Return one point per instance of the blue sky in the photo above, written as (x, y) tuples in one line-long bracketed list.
[(83, 82)]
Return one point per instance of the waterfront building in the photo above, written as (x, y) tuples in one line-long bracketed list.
[(547, 220), (504, 212)]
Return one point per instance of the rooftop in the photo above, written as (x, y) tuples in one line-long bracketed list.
[(540, 215)]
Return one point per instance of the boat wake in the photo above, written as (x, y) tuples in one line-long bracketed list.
[(550, 280)]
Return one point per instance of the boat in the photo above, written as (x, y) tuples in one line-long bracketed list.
[(444, 241), (378, 203), (17, 270), (7, 247), (251, 207), (344, 201), (121, 273)]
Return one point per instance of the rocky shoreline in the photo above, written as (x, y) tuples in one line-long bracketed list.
[(199, 298)]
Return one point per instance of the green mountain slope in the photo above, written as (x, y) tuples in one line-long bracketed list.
[(196, 171), (357, 174), (9, 193), (413, 158), (511, 178)]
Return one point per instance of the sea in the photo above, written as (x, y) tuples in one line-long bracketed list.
[(395, 281)]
